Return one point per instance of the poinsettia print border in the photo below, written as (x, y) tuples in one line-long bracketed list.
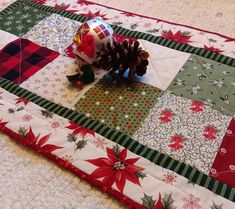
[(116, 168), (176, 32), (186, 130)]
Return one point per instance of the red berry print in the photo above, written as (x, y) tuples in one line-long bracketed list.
[(115, 117), (108, 100), (118, 89), (123, 106), (86, 105), (99, 110), (139, 84), (147, 101), (155, 90)]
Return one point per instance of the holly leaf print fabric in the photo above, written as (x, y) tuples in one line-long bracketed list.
[(206, 81)]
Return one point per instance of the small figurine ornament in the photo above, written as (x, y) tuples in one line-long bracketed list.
[(90, 38)]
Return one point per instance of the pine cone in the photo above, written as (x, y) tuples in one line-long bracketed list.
[(122, 56)]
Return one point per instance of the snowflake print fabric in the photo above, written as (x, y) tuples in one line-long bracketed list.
[(52, 83), (11, 20), (54, 32)]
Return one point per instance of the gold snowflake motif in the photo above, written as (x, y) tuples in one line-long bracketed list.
[(169, 178)]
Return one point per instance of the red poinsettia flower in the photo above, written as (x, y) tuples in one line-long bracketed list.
[(96, 14), (165, 119), (64, 7), (22, 100), (167, 113), (79, 130), (177, 37), (210, 133), (166, 116), (2, 124), (40, 1), (159, 205), (177, 139), (197, 106), (40, 143), (211, 48), (116, 169), (127, 14), (177, 142), (176, 146)]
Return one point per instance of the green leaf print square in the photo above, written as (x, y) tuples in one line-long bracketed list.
[(207, 81)]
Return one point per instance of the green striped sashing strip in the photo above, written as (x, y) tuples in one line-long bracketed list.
[(154, 156), (140, 35), (10, 7)]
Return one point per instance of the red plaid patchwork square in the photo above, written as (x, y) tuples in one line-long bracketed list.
[(22, 58)]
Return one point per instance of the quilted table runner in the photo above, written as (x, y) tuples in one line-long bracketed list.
[(164, 142)]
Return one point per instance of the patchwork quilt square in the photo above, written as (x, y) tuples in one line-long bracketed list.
[(22, 58), (51, 82), (21, 18), (207, 81), (164, 64), (122, 108), (185, 129), (54, 32)]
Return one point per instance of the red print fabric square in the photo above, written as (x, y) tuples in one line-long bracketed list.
[(22, 58), (223, 167)]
